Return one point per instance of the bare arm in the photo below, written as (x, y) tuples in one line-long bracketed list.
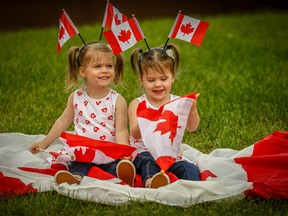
[(193, 118), (122, 135), (133, 122), (61, 124)]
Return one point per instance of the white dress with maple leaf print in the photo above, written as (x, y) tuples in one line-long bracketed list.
[(138, 143), (95, 118)]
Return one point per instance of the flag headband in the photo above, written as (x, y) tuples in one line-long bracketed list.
[(169, 52), (125, 33)]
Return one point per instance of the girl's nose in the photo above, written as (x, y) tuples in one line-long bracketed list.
[(157, 83)]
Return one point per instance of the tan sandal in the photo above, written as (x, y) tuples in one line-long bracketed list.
[(159, 180), (65, 177), (126, 172)]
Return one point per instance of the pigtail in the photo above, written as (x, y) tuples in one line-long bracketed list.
[(176, 55), (135, 61), (73, 67), (119, 67)]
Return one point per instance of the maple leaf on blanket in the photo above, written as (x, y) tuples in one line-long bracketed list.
[(189, 29), (162, 130), (124, 36), (84, 149)]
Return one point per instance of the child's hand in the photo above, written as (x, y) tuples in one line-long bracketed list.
[(35, 147), (194, 109)]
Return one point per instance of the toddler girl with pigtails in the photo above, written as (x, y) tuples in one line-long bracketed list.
[(157, 70), (98, 112)]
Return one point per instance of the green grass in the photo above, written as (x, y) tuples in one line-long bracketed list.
[(240, 70)]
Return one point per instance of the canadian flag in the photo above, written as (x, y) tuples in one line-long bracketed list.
[(189, 29), (263, 164), (84, 149), (259, 170), (66, 30), (162, 130), (124, 36), (112, 17)]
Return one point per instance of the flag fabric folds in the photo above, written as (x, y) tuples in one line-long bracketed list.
[(66, 30), (162, 130), (189, 29), (112, 17), (84, 149), (259, 170), (124, 36)]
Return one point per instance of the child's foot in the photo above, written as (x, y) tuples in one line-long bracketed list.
[(65, 177), (126, 172), (158, 180)]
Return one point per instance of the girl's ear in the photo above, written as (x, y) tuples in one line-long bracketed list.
[(173, 77), (82, 72), (141, 79)]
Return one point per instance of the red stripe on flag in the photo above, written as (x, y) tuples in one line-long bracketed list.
[(108, 17), (46, 171), (148, 113), (177, 24), (110, 149), (10, 187), (112, 40), (267, 167), (165, 162), (199, 33), (69, 26), (136, 29)]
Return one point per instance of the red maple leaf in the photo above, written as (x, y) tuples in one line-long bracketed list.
[(187, 28), (117, 20), (84, 156), (168, 125), (124, 36), (61, 32)]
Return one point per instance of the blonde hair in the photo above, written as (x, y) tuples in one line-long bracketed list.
[(156, 58), (78, 57)]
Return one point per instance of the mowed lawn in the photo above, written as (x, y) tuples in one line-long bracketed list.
[(240, 71)]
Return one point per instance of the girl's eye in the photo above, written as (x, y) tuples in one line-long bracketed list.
[(150, 80), (164, 79)]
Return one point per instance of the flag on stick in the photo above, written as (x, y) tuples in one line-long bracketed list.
[(112, 17), (124, 36), (188, 29), (66, 30)]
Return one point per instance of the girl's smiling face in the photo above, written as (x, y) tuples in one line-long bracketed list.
[(157, 85), (99, 70)]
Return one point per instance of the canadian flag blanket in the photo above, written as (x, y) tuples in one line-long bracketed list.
[(259, 170)]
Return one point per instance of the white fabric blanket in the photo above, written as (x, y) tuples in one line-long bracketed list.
[(223, 177)]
